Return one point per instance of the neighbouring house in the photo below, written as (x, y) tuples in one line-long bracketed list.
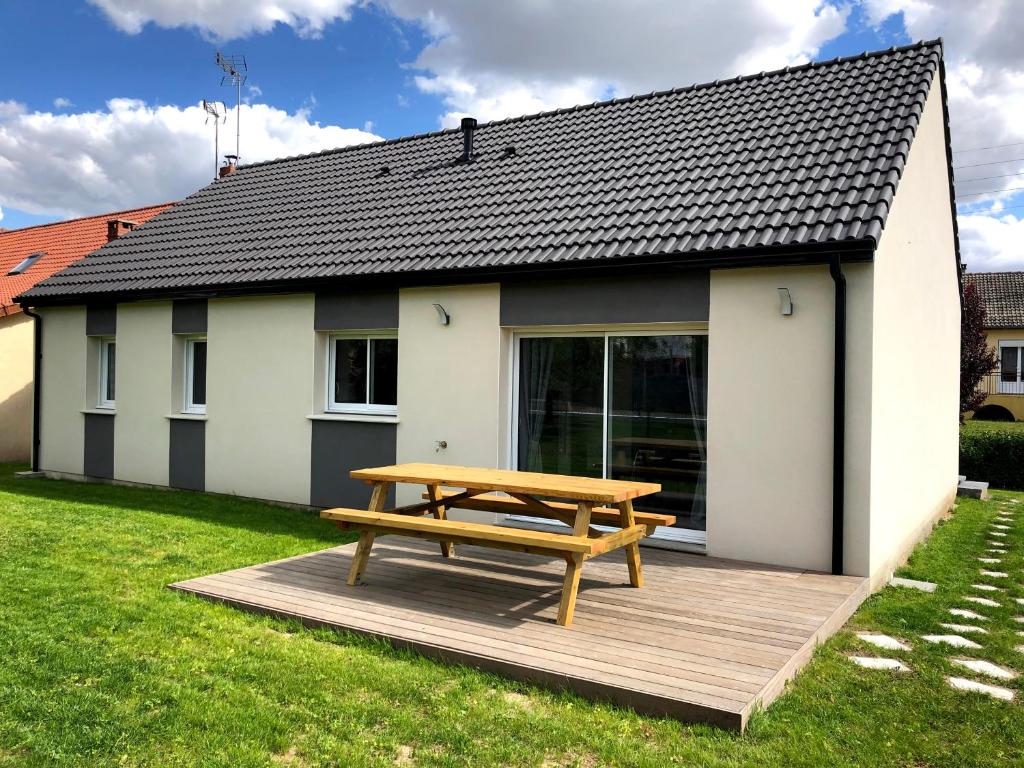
[(715, 287), (1002, 294), (27, 256)]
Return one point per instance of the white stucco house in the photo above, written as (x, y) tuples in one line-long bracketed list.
[(714, 287)]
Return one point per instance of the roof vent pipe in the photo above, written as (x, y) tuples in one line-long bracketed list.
[(468, 127)]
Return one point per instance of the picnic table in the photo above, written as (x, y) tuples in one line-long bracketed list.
[(578, 502)]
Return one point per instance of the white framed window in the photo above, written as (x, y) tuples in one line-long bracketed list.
[(195, 375), (362, 373), (1011, 367), (107, 368)]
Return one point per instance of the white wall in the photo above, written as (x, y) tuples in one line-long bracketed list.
[(449, 378), (914, 453), (17, 340), (259, 392), (63, 396), (143, 387)]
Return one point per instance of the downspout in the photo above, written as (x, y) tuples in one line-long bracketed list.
[(37, 369), (835, 269)]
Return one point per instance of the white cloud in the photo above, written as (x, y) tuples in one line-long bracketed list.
[(985, 83), (368, 126), (62, 103), (495, 60), (134, 154), (226, 19)]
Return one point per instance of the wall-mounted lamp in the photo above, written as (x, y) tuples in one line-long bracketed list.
[(785, 302), (442, 315)]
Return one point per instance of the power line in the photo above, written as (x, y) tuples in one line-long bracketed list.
[(990, 213), (991, 192), (998, 176), (994, 146), (994, 162)]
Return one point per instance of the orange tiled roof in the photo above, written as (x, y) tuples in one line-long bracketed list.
[(61, 244)]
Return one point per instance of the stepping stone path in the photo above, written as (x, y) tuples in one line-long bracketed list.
[(986, 668), (996, 551), (989, 560), (883, 641), (994, 574), (924, 586), (986, 588), (963, 613), (968, 628), (997, 534), (955, 640), (982, 601), (1000, 527), (871, 662), (995, 691)]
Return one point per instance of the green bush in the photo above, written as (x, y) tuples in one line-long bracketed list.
[(993, 452)]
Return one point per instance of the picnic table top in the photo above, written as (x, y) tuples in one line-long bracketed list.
[(511, 481)]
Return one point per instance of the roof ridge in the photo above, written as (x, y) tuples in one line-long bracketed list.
[(85, 218), (998, 272), (606, 102)]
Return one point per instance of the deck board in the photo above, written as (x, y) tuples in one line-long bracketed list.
[(705, 640)]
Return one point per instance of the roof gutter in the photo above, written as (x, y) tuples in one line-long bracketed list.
[(37, 370), (835, 269)]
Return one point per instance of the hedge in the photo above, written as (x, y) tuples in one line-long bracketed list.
[(994, 454)]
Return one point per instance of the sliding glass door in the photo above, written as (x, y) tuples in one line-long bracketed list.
[(625, 406)]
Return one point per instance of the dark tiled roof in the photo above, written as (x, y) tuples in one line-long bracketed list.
[(60, 243), (1003, 294), (806, 155)]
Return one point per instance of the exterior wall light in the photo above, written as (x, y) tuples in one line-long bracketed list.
[(442, 315), (785, 302)]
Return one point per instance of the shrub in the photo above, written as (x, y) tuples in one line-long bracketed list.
[(994, 453)]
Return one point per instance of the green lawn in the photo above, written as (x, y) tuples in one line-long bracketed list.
[(101, 665), (980, 427)]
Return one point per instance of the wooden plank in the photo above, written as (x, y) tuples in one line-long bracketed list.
[(534, 483), (361, 557), (570, 586), (636, 572), (433, 491)]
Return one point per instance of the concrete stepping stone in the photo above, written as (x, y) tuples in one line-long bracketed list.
[(1019, 649), (1019, 619), (963, 613), (924, 586), (982, 601), (986, 588), (955, 640), (983, 667), (883, 641), (989, 560), (994, 574), (995, 691), (996, 551), (1019, 600), (997, 534), (872, 662), (961, 628), (1000, 527)]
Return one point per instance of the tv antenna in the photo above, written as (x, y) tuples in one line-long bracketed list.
[(235, 72), (219, 112)]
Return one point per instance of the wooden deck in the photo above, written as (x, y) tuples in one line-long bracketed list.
[(705, 640)]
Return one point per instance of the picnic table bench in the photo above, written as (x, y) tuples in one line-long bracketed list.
[(591, 501)]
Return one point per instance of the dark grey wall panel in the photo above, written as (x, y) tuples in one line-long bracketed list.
[(99, 445), (338, 448), (188, 455), (671, 297), (101, 320), (188, 316), (338, 311)]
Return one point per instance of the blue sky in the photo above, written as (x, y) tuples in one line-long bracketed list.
[(395, 67)]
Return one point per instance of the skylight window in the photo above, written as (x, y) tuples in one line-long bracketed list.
[(26, 263)]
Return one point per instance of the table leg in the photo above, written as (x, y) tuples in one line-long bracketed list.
[(570, 586), (361, 558), (434, 494), (626, 520)]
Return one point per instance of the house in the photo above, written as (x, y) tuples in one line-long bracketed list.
[(27, 256), (714, 287), (1002, 294)]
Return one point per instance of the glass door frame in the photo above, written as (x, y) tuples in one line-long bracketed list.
[(684, 536)]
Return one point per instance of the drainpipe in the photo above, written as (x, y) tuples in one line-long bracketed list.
[(835, 269), (37, 368)]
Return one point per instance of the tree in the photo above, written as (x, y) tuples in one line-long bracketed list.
[(977, 359)]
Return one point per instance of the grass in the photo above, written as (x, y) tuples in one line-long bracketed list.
[(980, 427), (100, 664)]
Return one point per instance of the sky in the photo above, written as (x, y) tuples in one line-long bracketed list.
[(100, 99)]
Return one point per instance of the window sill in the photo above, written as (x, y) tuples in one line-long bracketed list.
[(187, 416), (101, 411), (373, 418)]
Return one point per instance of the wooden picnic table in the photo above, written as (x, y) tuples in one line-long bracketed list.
[(579, 502)]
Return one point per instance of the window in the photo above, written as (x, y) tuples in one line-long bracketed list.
[(25, 264), (625, 406), (363, 374), (195, 375), (1011, 367), (108, 365)]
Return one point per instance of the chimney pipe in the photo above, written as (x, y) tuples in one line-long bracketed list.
[(468, 127), (230, 164), (116, 227)]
